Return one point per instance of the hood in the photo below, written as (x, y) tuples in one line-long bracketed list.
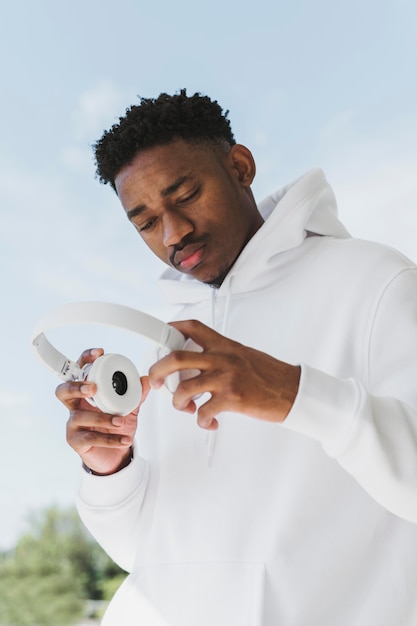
[(303, 208)]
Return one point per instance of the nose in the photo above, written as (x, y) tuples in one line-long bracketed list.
[(175, 228)]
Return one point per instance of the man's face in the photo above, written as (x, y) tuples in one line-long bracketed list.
[(192, 205)]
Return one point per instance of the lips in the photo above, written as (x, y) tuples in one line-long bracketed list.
[(189, 257)]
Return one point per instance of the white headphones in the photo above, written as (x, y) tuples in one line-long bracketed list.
[(118, 382)]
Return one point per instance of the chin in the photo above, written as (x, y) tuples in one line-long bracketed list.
[(216, 281)]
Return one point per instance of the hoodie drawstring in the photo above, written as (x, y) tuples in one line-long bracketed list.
[(211, 438)]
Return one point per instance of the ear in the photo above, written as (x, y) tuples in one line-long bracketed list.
[(242, 163)]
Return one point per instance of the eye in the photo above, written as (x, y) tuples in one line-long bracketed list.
[(146, 226), (189, 196)]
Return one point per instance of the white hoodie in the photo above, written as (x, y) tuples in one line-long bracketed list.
[(308, 523)]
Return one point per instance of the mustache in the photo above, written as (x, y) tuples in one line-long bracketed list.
[(187, 241)]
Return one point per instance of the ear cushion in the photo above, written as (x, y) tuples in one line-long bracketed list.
[(119, 389)]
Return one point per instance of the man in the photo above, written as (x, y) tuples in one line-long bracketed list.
[(295, 503)]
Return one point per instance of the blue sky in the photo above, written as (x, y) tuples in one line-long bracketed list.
[(330, 84)]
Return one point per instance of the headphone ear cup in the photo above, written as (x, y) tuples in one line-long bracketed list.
[(119, 389), (191, 346), (173, 380)]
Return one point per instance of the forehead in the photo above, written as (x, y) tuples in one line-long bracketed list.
[(159, 166)]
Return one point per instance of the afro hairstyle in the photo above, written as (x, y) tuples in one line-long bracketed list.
[(158, 121)]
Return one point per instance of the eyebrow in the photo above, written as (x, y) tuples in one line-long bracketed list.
[(164, 194)]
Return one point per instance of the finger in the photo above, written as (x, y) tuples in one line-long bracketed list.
[(88, 418), (206, 415), (190, 407), (90, 355), (203, 335), (214, 404), (144, 380), (192, 388), (207, 422), (83, 440), (70, 393), (175, 362)]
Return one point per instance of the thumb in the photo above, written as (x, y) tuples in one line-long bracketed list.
[(144, 380), (202, 335)]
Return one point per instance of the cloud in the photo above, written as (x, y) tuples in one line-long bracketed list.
[(67, 247), (13, 400), (373, 171), (16, 409), (33, 207), (97, 109), (371, 164)]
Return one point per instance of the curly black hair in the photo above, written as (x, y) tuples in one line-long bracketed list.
[(157, 121)]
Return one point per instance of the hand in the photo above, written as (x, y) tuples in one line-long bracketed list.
[(239, 379), (103, 441)]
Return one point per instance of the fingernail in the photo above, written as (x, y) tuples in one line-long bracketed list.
[(125, 440), (95, 352), (117, 420), (86, 389)]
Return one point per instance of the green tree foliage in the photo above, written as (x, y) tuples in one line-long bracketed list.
[(51, 573)]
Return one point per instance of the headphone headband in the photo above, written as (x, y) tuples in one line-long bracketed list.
[(106, 313)]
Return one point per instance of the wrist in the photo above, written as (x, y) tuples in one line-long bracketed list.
[(127, 459)]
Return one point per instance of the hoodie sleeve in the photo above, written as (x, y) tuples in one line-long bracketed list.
[(370, 426), (109, 507)]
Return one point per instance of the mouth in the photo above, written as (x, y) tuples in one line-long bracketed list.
[(189, 257)]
